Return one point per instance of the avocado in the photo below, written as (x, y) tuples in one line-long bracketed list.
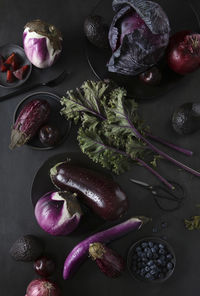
[(27, 248), (186, 119), (96, 31)]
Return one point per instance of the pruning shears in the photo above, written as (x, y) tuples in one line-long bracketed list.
[(166, 199)]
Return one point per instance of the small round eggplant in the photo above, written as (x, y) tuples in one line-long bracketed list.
[(152, 76), (49, 135), (100, 193)]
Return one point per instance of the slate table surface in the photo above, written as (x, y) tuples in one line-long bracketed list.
[(17, 170)]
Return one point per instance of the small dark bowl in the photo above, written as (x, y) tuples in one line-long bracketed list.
[(5, 51), (154, 240), (56, 120)]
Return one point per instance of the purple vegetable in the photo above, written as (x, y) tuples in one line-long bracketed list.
[(42, 43), (80, 252), (58, 213), (31, 118), (108, 261), (100, 193), (138, 36)]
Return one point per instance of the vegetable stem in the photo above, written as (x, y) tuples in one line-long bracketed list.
[(155, 173), (164, 142), (160, 152)]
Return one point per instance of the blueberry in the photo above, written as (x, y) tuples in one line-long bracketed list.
[(169, 256), (161, 246), (148, 276), (155, 256), (155, 246), (161, 251), (139, 253), (150, 244), (152, 272), (143, 264), (160, 275), (155, 229), (153, 250), (144, 244), (169, 265), (159, 261), (164, 224), (153, 266), (143, 255), (144, 259), (149, 255), (150, 262), (147, 268), (147, 250), (162, 257), (138, 249)]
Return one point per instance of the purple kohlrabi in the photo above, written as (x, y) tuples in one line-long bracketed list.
[(138, 36)]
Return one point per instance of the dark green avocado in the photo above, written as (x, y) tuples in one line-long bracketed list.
[(26, 248), (96, 31), (186, 119)]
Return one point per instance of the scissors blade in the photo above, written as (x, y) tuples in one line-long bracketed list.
[(139, 183)]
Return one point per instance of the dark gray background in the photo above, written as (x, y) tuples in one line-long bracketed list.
[(17, 169)]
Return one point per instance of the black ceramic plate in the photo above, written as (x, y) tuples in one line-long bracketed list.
[(55, 119), (7, 50), (181, 15), (42, 184)]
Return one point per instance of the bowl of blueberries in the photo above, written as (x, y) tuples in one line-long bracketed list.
[(151, 259)]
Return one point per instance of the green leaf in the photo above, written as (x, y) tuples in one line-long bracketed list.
[(92, 144), (193, 223), (84, 100)]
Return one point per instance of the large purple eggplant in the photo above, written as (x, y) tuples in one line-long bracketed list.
[(31, 118), (100, 193)]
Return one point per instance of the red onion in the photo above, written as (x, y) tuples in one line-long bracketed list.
[(42, 287), (184, 52)]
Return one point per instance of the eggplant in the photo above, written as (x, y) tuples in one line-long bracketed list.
[(100, 193), (31, 118), (80, 252), (108, 261)]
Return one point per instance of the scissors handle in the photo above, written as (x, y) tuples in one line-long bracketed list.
[(162, 194)]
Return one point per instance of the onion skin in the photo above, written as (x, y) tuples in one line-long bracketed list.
[(108, 261), (42, 287), (184, 52), (58, 213), (31, 118), (80, 251), (100, 193)]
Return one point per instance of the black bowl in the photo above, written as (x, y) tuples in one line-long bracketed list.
[(185, 19), (5, 51), (55, 119), (154, 240)]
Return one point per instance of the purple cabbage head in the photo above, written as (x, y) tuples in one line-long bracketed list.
[(138, 36), (42, 43), (58, 213)]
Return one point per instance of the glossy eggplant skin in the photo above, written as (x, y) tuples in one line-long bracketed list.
[(31, 118), (100, 193)]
